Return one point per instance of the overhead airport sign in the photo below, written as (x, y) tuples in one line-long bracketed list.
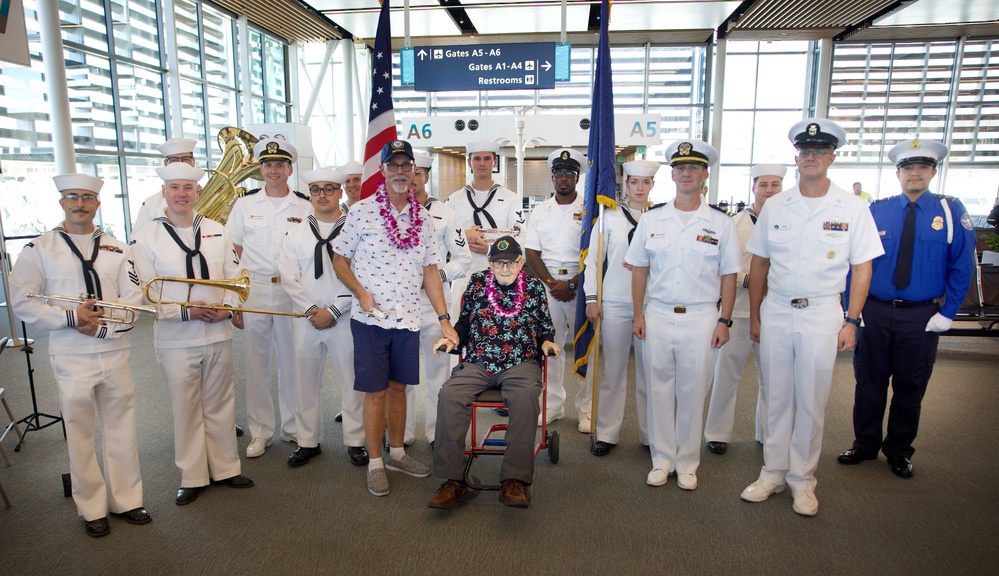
[(540, 131), (526, 66)]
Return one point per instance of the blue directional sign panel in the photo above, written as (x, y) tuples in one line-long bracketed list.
[(485, 67)]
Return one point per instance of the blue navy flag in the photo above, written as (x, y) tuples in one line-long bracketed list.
[(601, 180), (381, 114)]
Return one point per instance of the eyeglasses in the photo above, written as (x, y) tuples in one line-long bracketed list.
[(85, 197), (814, 152), (187, 159), (504, 264), (325, 190), (393, 167)]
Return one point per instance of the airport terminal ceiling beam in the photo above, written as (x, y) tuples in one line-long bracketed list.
[(293, 20)]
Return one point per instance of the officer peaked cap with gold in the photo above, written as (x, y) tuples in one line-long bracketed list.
[(912, 151), (567, 158), (816, 132), (691, 151), (275, 149)]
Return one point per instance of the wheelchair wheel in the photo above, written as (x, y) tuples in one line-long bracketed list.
[(553, 446)]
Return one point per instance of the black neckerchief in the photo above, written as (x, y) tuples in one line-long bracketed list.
[(190, 253), (752, 215), (324, 242), (90, 277), (477, 209), (632, 221)]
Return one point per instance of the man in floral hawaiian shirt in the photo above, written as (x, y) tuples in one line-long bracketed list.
[(504, 328)]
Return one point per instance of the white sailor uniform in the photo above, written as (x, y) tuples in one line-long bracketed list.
[(90, 371), (311, 284), (258, 225), (196, 356), (686, 263), (152, 207)]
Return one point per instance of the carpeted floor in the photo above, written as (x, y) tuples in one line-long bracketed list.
[(588, 516)]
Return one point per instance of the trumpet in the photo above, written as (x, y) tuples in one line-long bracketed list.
[(114, 312), (240, 285)]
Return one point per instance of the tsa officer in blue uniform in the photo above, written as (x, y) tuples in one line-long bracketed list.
[(929, 244)]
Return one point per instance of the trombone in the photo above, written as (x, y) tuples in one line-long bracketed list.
[(240, 285), (114, 312)]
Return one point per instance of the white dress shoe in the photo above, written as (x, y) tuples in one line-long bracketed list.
[(658, 477), (761, 490), (805, 503), (686, 481), (552, 415), (584, 423), (257, 447)]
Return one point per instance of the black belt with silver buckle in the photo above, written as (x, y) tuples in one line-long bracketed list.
[(799, 302), (897, 303)]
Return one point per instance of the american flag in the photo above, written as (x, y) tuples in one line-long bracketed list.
[(381, 115)]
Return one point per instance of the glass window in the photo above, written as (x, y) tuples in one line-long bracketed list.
[(188, 38), (220, 60), (135, 29), (143, 114), (83, 23), (192, 103), (256, 63), (274, 53), (91, 100), (142, 182), (221, 113)]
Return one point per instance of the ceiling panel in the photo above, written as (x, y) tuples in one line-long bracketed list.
[(924, 12), (528, 19)]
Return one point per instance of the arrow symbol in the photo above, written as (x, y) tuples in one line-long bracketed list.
[(547, 66), (422, 54)]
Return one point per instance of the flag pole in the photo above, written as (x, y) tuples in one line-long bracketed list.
[(595, 384)]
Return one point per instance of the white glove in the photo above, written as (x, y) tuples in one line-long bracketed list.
[(939, 323)]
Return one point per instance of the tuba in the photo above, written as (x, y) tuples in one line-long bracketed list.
[(237, 164)]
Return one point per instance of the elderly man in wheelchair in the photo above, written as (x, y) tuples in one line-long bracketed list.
[(504, 329)]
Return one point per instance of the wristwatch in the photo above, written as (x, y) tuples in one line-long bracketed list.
[(572, 285), (443, 317), (725, 321), (854, 321)]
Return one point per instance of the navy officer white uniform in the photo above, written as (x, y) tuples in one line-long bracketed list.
[(805, 241), (616, 311), (89, 358), (306, 267), (193, 345), (483, 204), (551, 245), (767, 181), (456, 259), (258, 222), (173, 150), (685, 256), (929, 244)]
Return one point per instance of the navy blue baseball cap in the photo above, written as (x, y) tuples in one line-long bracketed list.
[(397, 147)]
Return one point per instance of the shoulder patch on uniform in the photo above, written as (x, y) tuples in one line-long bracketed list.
[(966, 222), (720, 209), (302, 196), (251, 192), (653, 207)]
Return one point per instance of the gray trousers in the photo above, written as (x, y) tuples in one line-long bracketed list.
[(520, 387)]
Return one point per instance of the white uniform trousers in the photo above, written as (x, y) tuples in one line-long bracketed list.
[(797, 352), (616, 335), (103, 381), (678, 369), (311, 348), (437, 371), (204, 411), (564, 318), (728, 371), (259, 332)]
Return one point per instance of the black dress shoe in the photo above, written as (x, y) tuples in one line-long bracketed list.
[(856, 456), (601, 448), (97, 528), (238, 481), (504, 412), (358, 455), (717, 447), (188, 495), (136, 516), (239, 431), (301, 456), (900, 466), (338, 417)]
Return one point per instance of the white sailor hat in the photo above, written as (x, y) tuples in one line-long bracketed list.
[(482, 146), (424, 161), (179, 171), (816, 132), (767, 170), (76, 181), (175, 146), (351, 168), (641, 168), (687, 150), (567, 158), (324, 175), (923, 151), (274, 149)]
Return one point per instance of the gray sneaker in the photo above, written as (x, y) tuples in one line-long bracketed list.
[(407, 465), (378, 482)]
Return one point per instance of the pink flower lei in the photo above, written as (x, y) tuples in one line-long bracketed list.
[(520, 295), (400, 241)]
